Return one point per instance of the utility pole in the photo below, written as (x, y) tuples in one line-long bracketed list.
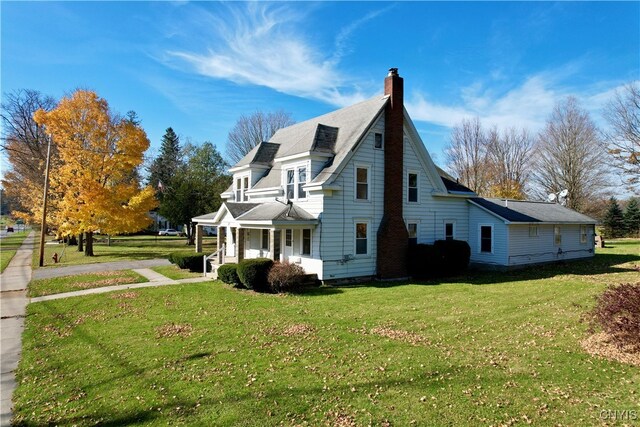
[(43, 230)]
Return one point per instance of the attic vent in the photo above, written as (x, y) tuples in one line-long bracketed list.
[(325, 139)]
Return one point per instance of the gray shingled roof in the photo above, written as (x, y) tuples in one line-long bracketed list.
[(276, 211), (237, 209), (349, 123), (262, 154), (526, 211)]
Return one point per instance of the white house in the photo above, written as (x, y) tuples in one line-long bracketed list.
[(343, 194)]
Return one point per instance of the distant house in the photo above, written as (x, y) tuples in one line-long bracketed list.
[(343, 194)]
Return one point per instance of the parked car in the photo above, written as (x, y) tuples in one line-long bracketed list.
[(9, 229), (168, 232)]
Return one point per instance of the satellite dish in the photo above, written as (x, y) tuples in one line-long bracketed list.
[(551, 198), (564, 193)]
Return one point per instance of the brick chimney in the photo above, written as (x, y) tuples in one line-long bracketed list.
[(393, 239)]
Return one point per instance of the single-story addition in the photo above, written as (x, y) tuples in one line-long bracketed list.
[(346, 193)]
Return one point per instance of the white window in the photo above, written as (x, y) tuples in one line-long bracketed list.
[(362, 183), (265, 239), (583, 234), (288, 237), (242, 185), (486, 238), (533, 231), (449, 230), (295, 179), (362, 238), (377, 140), (412, 230), (306, 242), (412, 181), (557, 235)]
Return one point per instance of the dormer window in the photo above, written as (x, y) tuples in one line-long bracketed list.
[(296, 179), (242, 185)]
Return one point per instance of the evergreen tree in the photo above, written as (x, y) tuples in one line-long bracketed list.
[(613, 220), (165, 166), (632, 218)]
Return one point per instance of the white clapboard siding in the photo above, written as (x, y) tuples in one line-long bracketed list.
[(526, 249), (341, 211), (499, 255)]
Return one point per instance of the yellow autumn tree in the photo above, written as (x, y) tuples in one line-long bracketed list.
[(99, 153)]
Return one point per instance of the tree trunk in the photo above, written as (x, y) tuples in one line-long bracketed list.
[(80, 241), (88, 249), (191, 227), (73, 241)]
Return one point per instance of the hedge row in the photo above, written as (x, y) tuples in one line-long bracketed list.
[(443, 258), (188, 260)]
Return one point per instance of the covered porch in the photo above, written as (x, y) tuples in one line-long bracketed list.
[(279, 231)]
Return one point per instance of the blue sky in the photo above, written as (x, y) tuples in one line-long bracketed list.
[(198, 66)]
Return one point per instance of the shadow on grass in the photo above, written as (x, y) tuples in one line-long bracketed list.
[(600, 264)]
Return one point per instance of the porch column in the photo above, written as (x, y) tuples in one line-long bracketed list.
[(199, 232), (240, 243), (272, 244)]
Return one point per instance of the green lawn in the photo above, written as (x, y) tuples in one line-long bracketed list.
[(8, 247), (484, 349), (122, 248), (58, 285), (176, 273)]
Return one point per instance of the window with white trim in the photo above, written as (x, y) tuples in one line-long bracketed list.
[(295, 179), (362, 183), (265, 239), (486, 238), (583, 234), (557, 235), (533, 231), (412, 230), (242, 185), (412, 192), (306, 241), (449, 230), (288, 237), (362, 238), (377, 140)]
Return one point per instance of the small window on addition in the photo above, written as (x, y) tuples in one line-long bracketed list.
[(486, 238), (449, 233), (377, 140), (412, 229), (557, 235), (533, 231), (583, 234)]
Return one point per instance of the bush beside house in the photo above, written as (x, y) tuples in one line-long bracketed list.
[(443, 258), (253, 273), (191, 261), (228, 273)]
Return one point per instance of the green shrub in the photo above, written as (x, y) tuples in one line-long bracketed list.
[(228, 273), (455, 255), (253, 273), (187, 260), (424, 261), (285, 277)]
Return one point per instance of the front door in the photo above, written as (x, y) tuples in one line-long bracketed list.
[(288, 243)]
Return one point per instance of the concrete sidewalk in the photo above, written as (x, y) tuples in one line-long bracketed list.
[(13, 302)]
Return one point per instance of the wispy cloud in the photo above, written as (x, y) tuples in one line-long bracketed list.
[(526, 104), (259, 44)]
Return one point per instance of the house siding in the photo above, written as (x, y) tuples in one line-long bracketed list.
[(477, 218), (542, 248), (342, 211)]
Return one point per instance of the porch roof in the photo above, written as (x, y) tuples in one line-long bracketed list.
[(277, 212)]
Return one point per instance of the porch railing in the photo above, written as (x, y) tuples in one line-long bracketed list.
[(219, 254)]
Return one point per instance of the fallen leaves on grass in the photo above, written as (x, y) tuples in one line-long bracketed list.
[(170, 330), (601, 345), (397, 334), (125, 295), (339, 419), (300, 329)]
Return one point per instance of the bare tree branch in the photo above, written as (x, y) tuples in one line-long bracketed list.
[(250, 131)]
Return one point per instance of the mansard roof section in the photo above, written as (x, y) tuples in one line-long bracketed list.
[(350, 123), (262, 154)]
